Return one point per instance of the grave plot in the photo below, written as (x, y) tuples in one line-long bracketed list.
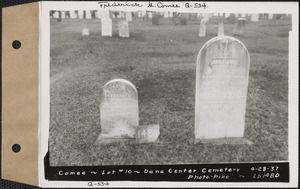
[(161, 62)]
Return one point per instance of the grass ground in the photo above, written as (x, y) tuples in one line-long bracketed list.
[(160, 61)]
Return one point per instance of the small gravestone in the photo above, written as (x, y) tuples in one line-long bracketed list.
[(73, 15), (183, 18), (80, 14), (88, 14), (150, 15), (56, 14), (128, 16), (166, 14), (270, 16), (119, 116), (155, 19), (227, 15), (85, 31), (221, 90), (239, 28), (254, 17), (232, 18), (202, 29), (220, 29), (123, 28)]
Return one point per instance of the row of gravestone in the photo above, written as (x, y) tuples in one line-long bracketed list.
[(220, 103)]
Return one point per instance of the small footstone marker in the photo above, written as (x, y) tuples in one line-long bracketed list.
[(85, 31), (147, 133), (118, 111), (221, 91)]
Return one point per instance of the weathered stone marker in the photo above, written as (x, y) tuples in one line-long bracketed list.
[(123, 28), (270, 16), (119, 110), (106, 23), (80, 14), (221, 89), (183, 18), (202, 29), (85, 31), (128, 16), (254, 17), (88, 14), (73, 15), (239, 28), (220, 29)]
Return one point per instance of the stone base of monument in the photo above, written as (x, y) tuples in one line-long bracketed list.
[(221, 141)]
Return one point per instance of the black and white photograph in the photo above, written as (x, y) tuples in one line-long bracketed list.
[(165, 87), (129, 97)]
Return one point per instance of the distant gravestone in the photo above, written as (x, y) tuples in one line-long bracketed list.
[(119, 110), (221, 89), (270, 16), (155, 19), (202, 29), (170, 14), (80, 14), (232, 18), (85, 31), (73, 15), (88, 14), (254, 17), (56, 14), (106, 23), (183, 18), (239, 28), (220, 29), (227, 15), (63, 15), (123, 28), (150, 15), (166, 14), (128, 16)]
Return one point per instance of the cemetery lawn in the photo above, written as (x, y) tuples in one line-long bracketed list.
[(160, 61)]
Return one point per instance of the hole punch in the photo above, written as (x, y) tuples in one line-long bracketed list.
[(16, 44), (16, 148)]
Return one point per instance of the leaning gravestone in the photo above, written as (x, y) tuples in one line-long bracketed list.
[(119, 110), (221, 89)]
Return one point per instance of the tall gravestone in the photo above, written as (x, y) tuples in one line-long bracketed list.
[(106, 23), (88, 14), (270, 16), (119, 110), (221, 89)]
